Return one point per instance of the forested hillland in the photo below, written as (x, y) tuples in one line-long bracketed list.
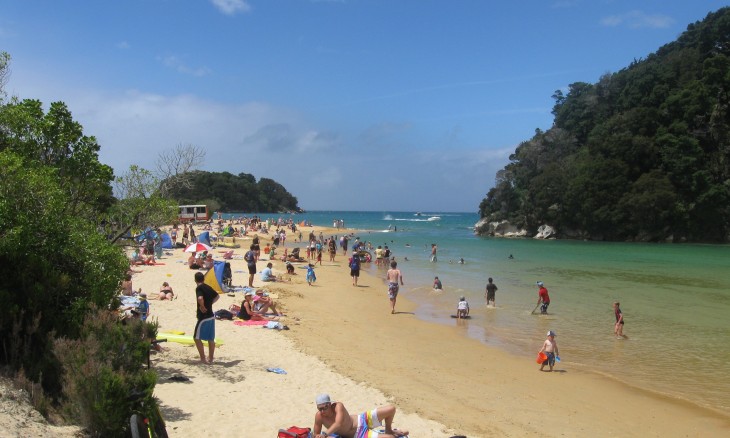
[(641, 155), (223, 191)]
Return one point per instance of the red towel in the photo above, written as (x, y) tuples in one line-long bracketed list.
[(249, 322)]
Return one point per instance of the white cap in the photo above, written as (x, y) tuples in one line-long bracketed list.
[(322, 399)]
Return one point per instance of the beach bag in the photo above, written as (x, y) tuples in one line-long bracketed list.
[(295, 432), (355, 263), (223, 314)]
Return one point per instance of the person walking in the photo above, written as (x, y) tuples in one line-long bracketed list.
[(394, 277), (543, 299), (491, 291), (355, 268), (434, 248), (205, 326)]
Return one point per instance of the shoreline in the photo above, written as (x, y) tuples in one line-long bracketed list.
[(470, 352), (440, 379)]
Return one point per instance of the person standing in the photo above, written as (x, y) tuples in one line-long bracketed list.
[(250, 258), (185, 240), (618, 328), (193, 239), (550, 348), (491, 291), (205, 327), (543, 297), (434, 248), (355, 268), (332, 247), (394, 277)]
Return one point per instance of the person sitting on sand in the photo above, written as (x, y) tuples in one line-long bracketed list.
[(143, 308), (247, 310), (208, 262), (193, 262), (267, 274), (263, 303), (335, 418), (290, 269), (462, 309), (166, 292), (126, 287)]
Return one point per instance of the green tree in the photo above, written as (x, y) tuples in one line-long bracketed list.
[(54, 266)]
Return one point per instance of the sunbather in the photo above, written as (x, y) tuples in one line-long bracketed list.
[(334, 417), (166, 292)]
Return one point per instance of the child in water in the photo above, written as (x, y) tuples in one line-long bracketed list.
[(311, 278), (462, 309), (618, 329), (550, 348), (437, 283)]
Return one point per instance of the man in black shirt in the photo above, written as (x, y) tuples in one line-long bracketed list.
[(205, 327)]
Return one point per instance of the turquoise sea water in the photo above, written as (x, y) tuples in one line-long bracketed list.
[(675, 298)]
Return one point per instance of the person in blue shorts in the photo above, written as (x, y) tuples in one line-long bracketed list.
[(205, 327)]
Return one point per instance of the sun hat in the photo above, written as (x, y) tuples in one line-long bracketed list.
[(540, 283), (551, 333), (142, 295), (322, 399)]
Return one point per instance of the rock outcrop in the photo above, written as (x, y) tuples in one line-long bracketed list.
[(498, 229), (545, 232)]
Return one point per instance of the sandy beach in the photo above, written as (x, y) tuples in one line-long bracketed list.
[(344, 341)]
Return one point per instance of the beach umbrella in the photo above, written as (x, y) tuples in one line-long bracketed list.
[(198, 247)]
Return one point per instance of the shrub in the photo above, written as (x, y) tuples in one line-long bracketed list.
[(102, 369)]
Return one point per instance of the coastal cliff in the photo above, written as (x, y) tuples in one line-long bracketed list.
[(640, 155)]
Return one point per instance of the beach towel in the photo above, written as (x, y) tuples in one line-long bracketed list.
[(249, 322)]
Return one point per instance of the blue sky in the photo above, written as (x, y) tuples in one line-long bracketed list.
[(383, 105)]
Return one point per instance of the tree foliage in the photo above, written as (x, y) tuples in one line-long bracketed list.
[(643, 154), (240, 193), (54, 265)]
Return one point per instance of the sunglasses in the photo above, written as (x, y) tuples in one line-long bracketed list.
[(324, 408)]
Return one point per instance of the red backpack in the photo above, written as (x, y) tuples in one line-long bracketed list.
[(295, 432)]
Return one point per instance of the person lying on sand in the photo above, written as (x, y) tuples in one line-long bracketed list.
[(166, 292), (335, 418)]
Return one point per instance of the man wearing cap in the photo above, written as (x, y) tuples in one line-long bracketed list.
[(334, 417), (543, 297)]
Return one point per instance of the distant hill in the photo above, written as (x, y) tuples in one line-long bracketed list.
[(241, 193), (643, 154)]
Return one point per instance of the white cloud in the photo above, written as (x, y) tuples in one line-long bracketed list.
[(638, 19), (178, 65), (231, 7)]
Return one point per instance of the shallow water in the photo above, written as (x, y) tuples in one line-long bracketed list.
[(674, 299)]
